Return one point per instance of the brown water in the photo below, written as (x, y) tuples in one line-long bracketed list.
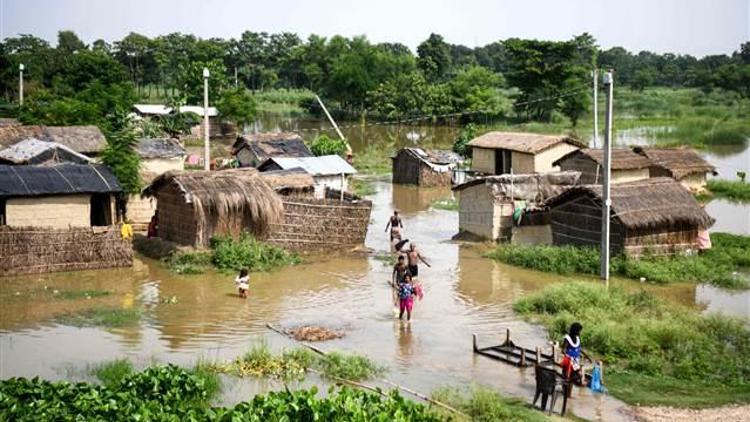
[(465, 294)]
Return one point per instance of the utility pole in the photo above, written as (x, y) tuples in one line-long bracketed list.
[(595, 73), (235, 77), (606, 201), (20, 84), (206, 149)]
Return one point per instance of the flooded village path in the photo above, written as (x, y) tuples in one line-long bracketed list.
[(465, 294)]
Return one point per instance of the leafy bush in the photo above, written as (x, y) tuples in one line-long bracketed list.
[(460, 145), (238, 106), (325, 145), (639, 333), (247, 252)]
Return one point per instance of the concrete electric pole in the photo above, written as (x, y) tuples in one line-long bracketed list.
[(206, 149), (20, 84), (606, 201)]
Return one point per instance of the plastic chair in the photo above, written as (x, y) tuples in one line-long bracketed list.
[(547, 381)]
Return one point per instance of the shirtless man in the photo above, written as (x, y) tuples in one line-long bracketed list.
[(414, 257), (396, 225)]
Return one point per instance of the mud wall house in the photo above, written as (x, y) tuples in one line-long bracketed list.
[(682, 164), (35, 152), (335, 221), (626, 165), (158, 156), (86, 140), (656, 216), (59, 218), (253, 150), (415, 166), (487, 205), (497, 153), (327, 172)]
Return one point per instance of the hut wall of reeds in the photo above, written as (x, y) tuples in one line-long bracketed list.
[(655, 216), (322, 223), (197, 205), (34, 250)]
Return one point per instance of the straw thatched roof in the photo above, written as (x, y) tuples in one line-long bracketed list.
[(646, 204), (272, 144), (83, 139), (292, 180), (160, 148), (679, 162), (225, 193), (535, 187), (622, 159), (529, 143), (60, 179), (34, 151)]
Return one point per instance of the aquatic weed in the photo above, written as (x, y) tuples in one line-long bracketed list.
[(103, 317), (111, 373)]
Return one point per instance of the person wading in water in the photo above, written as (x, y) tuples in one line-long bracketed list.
[(414, 257), (396, 225)]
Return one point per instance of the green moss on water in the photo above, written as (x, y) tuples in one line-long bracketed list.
[(103, 317), (652, 348)]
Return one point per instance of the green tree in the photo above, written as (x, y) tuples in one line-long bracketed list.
[(477, 89), (643, 78), (238, 106), (460, 145), (68, 42), (120, 154), (189, 80), (434, 57)]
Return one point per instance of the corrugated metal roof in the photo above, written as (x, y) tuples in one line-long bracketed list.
[(32, 150), (316, 166), (161, 109)]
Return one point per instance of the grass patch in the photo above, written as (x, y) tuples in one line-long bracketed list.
[(190, 262), (260, 361), (652, 347), (450, 204), (716, 266), (362, 188), (735, 190), (113, 372), (375, 159), (246, 252), (80, 294), (207, 377), (482, 404), (103, 317)]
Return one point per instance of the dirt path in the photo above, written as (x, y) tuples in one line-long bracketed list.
[(663, 414)]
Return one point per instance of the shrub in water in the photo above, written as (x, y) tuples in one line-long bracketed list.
[(247, 252)]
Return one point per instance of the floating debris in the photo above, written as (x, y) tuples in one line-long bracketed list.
[(314, 333)]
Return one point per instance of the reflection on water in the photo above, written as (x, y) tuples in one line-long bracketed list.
[(731, 217), (728, 302), (408, 199)]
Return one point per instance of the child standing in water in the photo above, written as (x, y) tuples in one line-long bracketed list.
[(243, 283), (406, 297)]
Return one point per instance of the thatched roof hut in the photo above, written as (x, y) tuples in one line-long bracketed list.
[(499, 152), (252, 150), (657, 215), (626, 165), (416, 166), (87, 140), (196, 205), (33, 151), (295, 181), (682, 164)]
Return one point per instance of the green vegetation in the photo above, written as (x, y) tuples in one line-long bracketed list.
[(655, 351), (362, 187), (103, 317), (112, 373), (238, 106), (120, 154), (460, 145), (450, 204), (230, 254), (730, 189), (80, 294), (260, 361), (325, 145), (715, 266), (247, 252), (482, 404), (375, 159)]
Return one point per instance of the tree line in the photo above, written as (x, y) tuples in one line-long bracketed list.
[(74, 83)]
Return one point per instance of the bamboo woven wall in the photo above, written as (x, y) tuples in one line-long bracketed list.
[(405, 169), (34, 250), (429, 177), (176, 218), (311, 223)]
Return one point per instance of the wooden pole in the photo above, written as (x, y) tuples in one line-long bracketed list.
[(507, 335), (474, 341)]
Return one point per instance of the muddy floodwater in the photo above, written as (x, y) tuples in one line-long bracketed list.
[(186, 318)]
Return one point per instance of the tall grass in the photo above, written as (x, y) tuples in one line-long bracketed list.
[(716, 266), (641, 336), (348, 366), (482, 404), (730, 189), (111, 373)]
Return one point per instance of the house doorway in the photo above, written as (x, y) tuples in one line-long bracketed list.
[(503, 162), (101, 212)]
